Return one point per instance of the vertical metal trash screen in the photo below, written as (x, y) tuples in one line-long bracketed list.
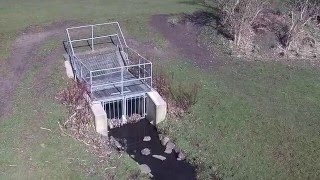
[(113, 73)]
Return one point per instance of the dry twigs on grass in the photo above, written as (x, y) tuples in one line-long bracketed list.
[(109, 168), (180, 98), (45, 129), (80, 125), (67, 134)]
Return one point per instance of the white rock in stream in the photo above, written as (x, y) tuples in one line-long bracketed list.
[(147, 138), (162, 158), (168, 151), (145, 169), (145, 151), (169, 147), (181, 156), (164, 141)]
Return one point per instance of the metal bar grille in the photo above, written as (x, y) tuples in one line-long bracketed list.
[(128, 107)]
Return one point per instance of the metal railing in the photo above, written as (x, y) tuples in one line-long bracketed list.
[(122, 42), (140, 71), (129, 68)]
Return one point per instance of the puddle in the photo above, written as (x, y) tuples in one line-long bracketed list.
[(131, 138)]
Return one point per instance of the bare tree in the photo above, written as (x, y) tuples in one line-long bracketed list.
[(301, 13), (238, 16)]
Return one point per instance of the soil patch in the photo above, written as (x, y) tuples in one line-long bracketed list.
[(23, 55), (182, 36), (149, 50)]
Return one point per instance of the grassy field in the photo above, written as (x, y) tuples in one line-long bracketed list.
[(29, 152), (18, 14), (252, 121)]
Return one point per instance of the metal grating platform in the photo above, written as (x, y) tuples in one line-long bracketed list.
[(105, 80), (101, 61), (115, 91), (103, 91)]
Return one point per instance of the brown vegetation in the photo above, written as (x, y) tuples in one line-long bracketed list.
[(179, 98), (301, 13), (238, 16), (294, 25), (80, 124)]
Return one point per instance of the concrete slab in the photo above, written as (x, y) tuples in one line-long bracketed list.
[(100, 117), (69, 70), (156, 107)]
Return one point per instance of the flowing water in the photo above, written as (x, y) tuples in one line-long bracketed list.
[(130, 136)]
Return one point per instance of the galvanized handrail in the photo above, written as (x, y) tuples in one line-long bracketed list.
[(122, 68), (125, 81), (94, 37), (142, 68), (114, 68), (137, 53), (146, 74)]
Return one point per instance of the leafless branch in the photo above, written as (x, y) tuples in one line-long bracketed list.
[(239, 15), (302, 11)]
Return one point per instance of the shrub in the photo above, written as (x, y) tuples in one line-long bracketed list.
[(73, 98), (162, 82), (186, 95), (179, 98)]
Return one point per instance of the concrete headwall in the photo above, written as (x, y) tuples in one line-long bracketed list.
[(156, 107), (68, 69), (100, 117)]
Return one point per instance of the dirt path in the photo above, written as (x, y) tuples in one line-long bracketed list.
[(23, 55), (183, 39)]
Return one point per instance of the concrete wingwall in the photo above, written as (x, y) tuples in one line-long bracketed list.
[(156, 112), (156, 107), (100, 118)]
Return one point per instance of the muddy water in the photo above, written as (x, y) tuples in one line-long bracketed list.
[(131, 138)]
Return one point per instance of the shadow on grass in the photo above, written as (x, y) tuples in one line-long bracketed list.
[(211, 17), (193, 2)]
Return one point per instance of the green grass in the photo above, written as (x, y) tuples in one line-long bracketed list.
[(47, 48), (29, 152), (18, 14), (252, 121)]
